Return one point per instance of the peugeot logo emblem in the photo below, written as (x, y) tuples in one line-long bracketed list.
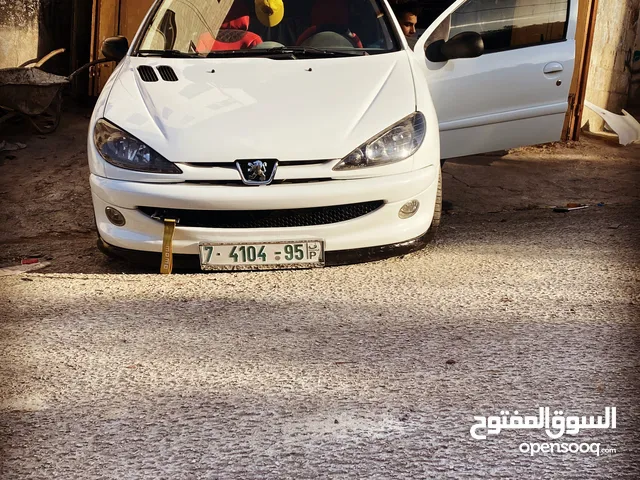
[(257, 172)]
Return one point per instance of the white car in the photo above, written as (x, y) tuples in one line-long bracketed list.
[(252, 134)]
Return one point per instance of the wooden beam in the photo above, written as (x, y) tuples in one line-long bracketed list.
[(132, 12), (587, 10)]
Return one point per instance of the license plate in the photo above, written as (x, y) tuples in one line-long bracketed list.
[(253, 256)]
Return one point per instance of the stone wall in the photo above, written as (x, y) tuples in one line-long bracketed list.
[(32, 28), (634, 92), (613, 45), (18, 31)]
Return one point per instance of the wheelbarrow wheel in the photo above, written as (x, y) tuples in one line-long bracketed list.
[(48, 121)]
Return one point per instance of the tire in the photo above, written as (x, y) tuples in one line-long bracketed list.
[(437, 213)]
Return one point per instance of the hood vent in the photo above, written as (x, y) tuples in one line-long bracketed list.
[(147, 74), (167, 73)]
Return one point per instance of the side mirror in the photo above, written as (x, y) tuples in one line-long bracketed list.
[(115, 48), (463, 45)]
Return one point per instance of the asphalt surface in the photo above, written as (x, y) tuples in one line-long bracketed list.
[(365, 371)]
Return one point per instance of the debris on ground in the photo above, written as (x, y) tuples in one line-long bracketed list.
[(569, 207), (11, 147), (23, 268), (625, 126)]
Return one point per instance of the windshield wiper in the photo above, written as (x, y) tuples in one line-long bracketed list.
[(291, 52), (287, 52), (167, 53), (342, 52)]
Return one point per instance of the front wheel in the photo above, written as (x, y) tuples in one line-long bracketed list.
[(437, 213)]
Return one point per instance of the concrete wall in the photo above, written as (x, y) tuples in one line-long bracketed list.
[(18, 31), (32, 28), (613, 45), (634, 92)]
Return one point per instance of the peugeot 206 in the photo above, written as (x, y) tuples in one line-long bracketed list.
[(267, 134)]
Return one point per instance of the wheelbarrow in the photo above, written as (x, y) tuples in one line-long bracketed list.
[(34, 94)]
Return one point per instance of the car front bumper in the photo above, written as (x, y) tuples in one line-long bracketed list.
[(333, 258), (381, 228)]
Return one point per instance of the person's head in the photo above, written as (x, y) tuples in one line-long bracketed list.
[(407, 14)]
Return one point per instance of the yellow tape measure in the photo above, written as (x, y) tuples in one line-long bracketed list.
[(166, 266)]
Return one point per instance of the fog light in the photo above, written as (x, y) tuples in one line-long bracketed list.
[(409, 209), (115, 216)]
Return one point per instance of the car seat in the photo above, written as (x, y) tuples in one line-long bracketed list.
[(329, 16), (233, 34)]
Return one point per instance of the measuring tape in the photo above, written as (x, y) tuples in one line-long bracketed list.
[(166, 266)]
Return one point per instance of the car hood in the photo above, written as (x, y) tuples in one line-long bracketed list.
[(220, 110)]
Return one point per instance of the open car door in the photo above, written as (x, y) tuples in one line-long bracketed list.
[(499, 72)]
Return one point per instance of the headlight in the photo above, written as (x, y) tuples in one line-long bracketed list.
[(396, 143), (125, 151)]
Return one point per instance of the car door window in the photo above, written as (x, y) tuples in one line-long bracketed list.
[(509, 24)]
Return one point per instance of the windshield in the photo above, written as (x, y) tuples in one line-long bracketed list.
[(206, 28)]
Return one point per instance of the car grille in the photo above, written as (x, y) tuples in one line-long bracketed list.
[(300, 217)]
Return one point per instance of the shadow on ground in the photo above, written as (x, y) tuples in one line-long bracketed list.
[(47, 211)]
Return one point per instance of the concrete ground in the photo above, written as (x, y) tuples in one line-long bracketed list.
[(365, 371)]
